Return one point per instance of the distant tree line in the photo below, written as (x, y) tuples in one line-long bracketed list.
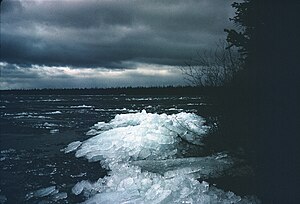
[(165, 90)]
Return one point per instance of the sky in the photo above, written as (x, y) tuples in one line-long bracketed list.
[(105, 43)]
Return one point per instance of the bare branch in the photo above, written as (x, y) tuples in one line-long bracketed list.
[(212, 68)]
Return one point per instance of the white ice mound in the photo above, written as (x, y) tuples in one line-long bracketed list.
[(128, 184), (141, 152), (141, 136)]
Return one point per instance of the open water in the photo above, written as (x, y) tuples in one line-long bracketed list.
[(36, 128)]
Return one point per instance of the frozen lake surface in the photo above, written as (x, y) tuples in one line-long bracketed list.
[(110, 149)]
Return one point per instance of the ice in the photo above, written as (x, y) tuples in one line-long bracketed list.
[(51, 191), (54, 131), (198, 167), (142, 136), (129, 184), (82, 106), (175, 109), (72, 146), (59, 196), (7, 151), (80, 186), (32, 116), (46, 124), (3, 199), (53, 113), (78, 175), (142, 152), (7, 154), (44, 191)]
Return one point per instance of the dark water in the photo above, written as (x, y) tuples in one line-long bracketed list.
[(34, 129)]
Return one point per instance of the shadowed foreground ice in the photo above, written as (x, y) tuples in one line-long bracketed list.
[(145, 155)]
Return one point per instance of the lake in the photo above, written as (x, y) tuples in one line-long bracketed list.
[(39, 166)]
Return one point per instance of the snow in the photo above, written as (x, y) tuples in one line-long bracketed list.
[(143, 153)]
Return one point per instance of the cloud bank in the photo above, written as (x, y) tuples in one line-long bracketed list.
[(109, 34)]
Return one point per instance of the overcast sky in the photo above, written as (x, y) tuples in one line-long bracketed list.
[(105, 43)]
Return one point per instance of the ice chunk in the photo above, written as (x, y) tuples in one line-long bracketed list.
[(53, 131), (72, 146), (49, 124), (59, 196), (54, 112), (79, 187), (3, 199), (78, 175), (82, 106), (44, 191)]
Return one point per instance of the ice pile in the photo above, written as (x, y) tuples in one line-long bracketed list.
[(129, 184), (141, 136), (141, 150)]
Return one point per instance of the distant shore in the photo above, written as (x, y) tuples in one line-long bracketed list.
[(169, 90)]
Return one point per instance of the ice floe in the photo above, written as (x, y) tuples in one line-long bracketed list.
[(82, 106), (54, 131), (53, 113), (72, 146), (51, 192)]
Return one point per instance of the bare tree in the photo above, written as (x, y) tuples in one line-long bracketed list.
[(212, 68)]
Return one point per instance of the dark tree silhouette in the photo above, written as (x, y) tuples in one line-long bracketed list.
[(267, 36), (246, 22)]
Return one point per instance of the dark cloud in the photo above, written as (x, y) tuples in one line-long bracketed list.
[(109, 33), (14, 76)]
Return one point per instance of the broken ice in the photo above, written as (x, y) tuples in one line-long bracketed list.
[(142, 136), (142, 152)]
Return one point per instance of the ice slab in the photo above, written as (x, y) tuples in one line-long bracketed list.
[(72, 146), (197, 167), (42, 192)]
